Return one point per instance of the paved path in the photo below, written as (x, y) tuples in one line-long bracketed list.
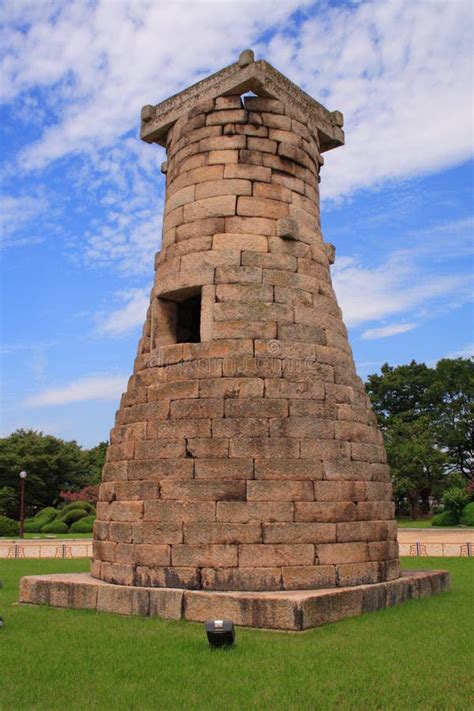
[(453, 542)]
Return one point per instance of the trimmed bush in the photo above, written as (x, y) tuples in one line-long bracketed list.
[(84, 525), (74, 505), (72, 516), (447, 518), (467, 516), (455, 499), (33, 525), (8, 527), (55, 527)]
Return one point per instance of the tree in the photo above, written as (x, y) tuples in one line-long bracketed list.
[(426, 417), (452, 393), (51, 464), (94, 462), (8, 502)]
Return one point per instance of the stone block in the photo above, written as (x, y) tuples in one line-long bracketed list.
[(357, 574), (261, 207), (161, 468), (241, 579), (163, 448), (272, 191), (259, 103), (308, 577), (254, 511), (123, 600), (207, 448), (299, 532), (226, 116), (223, 157), (240, 241), (339, 490), (240, 427), (244, 329), (165, 603), (276, 121), (126, 510), (269, 261), (199, 408), (238, 275), (256, 407), (340, 553), (178, 512), (198, 228), (223, 187), (279, 554), (250, 225), (224, 469), (248, 172), (266, 447), (204, 533), (325, 511), (362, 531), (208, 556), (288, 469), (261, 144), (379, 510), (154, 532), (203, 490), (222, 143), (267, 490)]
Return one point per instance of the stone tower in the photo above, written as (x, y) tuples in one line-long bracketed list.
[(246, 478), (245, 454)]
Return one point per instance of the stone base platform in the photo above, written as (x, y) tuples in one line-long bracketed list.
[(294, 610)]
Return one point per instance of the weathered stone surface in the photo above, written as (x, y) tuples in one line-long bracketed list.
[(245, 452), (293, 609)]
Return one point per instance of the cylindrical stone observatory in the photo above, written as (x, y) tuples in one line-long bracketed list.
[(245, 455)]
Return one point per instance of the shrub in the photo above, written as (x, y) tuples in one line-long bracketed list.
[(455, 499), (46, 515), (74, 505), (55, 527), (447, 518), (8, 527), (84, 525), (33, 525), (467, 516), (72, 516)]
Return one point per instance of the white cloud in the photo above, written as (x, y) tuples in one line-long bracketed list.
[(385, 331), (401, 73), (93, 387), (16, 213), (465, 352), (129, 316), (399, 70), (409, 280)]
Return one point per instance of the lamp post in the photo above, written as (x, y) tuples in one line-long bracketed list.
[(22, 503)]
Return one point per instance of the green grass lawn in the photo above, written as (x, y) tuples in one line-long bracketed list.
[(409, 523), (45, 536), (415, 656)]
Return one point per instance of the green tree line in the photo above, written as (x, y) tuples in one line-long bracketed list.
[(52, 465), (426, 416)]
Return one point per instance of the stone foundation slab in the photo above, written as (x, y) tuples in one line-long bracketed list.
[(293, 610)]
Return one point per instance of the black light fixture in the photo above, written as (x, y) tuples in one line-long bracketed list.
[(220, 633), (2, 623)]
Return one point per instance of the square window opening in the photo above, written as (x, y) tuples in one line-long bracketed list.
[(188, 320)]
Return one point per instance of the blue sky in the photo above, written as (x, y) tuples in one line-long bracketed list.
[(81, 197)]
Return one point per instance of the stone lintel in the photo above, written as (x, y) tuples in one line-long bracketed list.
[(292, 611), (261, 78)]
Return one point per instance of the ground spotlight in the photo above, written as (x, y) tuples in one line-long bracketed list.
[(220, 633), (2, 623)]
